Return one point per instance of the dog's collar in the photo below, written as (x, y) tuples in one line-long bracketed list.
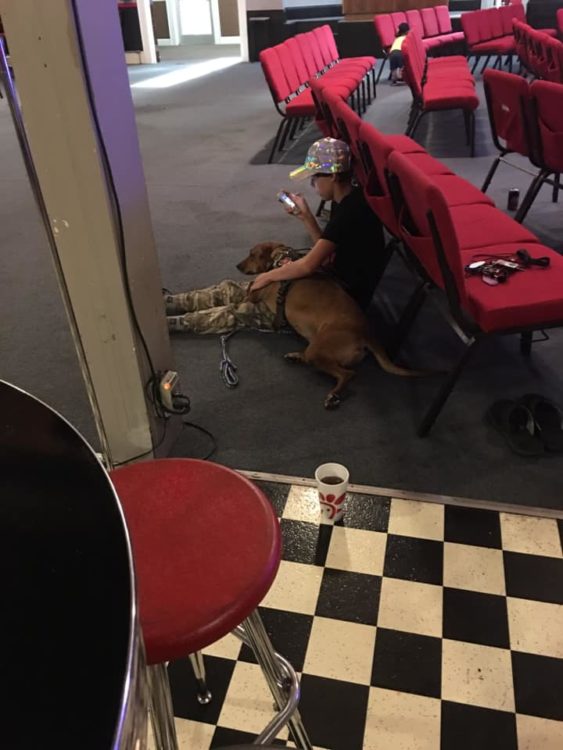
[(285, 253)]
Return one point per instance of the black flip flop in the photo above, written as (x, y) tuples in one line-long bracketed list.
[(548, 421), (515, 423)]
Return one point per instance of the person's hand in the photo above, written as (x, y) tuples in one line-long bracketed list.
[(302, 207), (262, 280)]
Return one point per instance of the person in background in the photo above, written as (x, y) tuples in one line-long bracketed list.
[(396, 60)]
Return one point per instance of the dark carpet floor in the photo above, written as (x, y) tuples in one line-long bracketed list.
[(212, 197)]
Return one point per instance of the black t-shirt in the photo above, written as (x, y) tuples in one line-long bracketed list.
[(358, 235)]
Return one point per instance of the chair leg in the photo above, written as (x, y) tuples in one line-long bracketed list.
[(475, 65), (526, 343), (490, 174), (471, 121), (556, 186), (282, 125), (284, 135), (447, 387), (380, 71), (203, 694), (293, 128), (373, 82), (408, 316), (531, 195), (162, 713), (416, 123), (465, 113), (275, 676), (320, 208), (485, 63)]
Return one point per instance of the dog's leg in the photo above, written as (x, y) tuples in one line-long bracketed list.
[(343, 375), (295, 357)]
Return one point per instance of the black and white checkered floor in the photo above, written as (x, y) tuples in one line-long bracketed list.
[(414, 626)]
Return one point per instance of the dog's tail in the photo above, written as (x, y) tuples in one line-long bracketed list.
[(386, 364)]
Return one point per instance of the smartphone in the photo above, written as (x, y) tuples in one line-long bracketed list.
[(286, 199)]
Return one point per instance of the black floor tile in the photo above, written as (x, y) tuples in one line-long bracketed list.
[(534, 577), (184, 688), (368, 512), (413, 559), (226, 738), (560, 524), (305, 542), (289, 633), (407, 662), (538, 685), (470, 526), (476, 618), (473, 728), (334, 712), (276, 493), (349, 596)]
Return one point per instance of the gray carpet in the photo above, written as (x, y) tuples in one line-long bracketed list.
[(210, 201)]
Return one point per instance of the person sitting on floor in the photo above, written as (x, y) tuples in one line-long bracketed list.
[(396, 59), (350, 250)]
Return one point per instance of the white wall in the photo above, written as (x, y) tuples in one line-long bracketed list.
[(264, 4)]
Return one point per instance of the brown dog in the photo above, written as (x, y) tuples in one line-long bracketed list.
[(325, 315)]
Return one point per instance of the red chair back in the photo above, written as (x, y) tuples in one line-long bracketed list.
[(443, 18), (415, 22), (414, 63), (274, 74), (375, 150), (484, 21), (323, 115), (559, 22), (330, 42), (293, 45), (321, 41), (507, 97), (421, 198), (348, 124), (307, 54), (288, 65), (430, 22), (547, 125), (384, 29), (471, 27), (398, 17), (496, 22), (315, 50)]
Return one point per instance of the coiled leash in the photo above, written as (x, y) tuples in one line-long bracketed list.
[(227, 367)]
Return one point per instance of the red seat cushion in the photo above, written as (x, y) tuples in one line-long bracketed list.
[(527, 298), (449, 95), (482, 225), (431, 42), (504, 45), (206, 547), (460, 192), (302, 105)]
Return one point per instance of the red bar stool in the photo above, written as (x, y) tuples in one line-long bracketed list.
[(206, 547)]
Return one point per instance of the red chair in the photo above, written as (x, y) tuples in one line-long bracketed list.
[(507, 98), (206, 548), (430, 228), (433, 90), (545, 123), (295, 107), (559, 21)]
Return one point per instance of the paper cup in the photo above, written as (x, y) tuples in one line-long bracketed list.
[(332, 483)]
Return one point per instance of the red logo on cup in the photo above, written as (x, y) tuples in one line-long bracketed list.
[(332, 503)]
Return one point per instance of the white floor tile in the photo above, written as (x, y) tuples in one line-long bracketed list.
[(474, 568), (413, 518), (401, 721), (411, 607), (530, 535), (357, 550), (477, 675), (538, 734), (340, 650), (227, 648), (296, 588), (536, 627)]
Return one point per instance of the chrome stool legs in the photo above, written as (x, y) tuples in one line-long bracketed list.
[(162, 712), (282, 681), (203, 694)]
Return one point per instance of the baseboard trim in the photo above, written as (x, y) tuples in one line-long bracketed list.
[(462, 502)]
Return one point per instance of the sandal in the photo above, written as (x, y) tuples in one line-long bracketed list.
[(516, 424), (548, 421)]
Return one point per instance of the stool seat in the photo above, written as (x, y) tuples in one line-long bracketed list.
[(206, 546)]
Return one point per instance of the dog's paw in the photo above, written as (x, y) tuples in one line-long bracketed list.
[(332, 401)]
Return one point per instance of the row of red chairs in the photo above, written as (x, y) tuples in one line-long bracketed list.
[(438, 84), (526, 119), (290, 67), (440, 223), (539, 53), (433, 24), (489, 32)]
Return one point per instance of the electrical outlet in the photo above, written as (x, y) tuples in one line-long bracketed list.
[(168, 387)]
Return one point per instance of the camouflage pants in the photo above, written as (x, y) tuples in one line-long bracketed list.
[(217, 309)]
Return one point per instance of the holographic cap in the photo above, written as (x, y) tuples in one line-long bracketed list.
[(327, 156)]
